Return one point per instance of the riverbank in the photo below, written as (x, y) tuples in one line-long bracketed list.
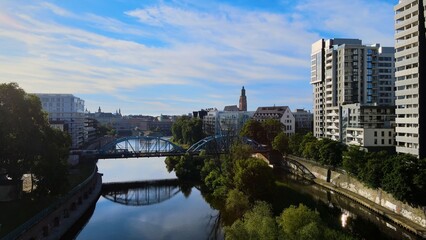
[(347, 189), (55, 220)]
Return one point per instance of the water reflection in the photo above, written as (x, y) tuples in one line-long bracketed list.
[(141, 193), (185, 215)]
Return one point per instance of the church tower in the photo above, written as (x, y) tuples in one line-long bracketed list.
[(243, 100)]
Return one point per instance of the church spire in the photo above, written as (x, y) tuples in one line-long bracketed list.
[(243, 100)]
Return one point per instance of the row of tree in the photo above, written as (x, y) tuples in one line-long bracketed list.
[(28, 143), (401, 175)]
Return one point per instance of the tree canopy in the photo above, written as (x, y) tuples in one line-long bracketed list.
[(187, 130), (28, 143)]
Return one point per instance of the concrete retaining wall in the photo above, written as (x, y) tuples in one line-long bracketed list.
[(343, 180), (56, 220)]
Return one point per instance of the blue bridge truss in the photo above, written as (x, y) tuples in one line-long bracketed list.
[(146, 146)]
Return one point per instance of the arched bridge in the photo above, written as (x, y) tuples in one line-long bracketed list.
[(140, 146), (146, 146), (141, 193)]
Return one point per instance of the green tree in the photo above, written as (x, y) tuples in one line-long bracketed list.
[(187, 130), (29, 144), (353, 159), (272, 128), (51, 170), (311, 150), (372, 172), (300, 223), (398, 173), (254, 130), (280, 143), (330, 152), (252, 173), (186, 167), (294, 143), (257, 223), (308, 138), (237, 203)]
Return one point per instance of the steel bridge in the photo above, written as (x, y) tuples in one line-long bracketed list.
[(146, 146), (141, 193)]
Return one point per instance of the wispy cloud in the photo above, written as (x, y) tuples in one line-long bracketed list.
[(47, 48)]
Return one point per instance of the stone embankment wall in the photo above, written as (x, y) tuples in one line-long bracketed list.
[(57, 219), (340, 179)]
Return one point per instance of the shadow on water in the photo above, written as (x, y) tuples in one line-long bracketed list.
[(337, 211), (80, 224)]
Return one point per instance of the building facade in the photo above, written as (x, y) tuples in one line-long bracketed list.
[(410, 46), (344, 72), (368, 126), (225, 123), (280, 113), (67, 110), (303, 121)]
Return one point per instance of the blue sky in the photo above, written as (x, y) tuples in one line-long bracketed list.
[(173, 57)]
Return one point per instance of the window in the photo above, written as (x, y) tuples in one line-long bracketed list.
[(375, 133), (383, 133), (383, 141)]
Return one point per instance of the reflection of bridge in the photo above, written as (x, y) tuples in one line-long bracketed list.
[(141, 193), (146, 146)]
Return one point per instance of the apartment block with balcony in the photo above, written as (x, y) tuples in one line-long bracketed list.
[(345, 72), (410, 76)]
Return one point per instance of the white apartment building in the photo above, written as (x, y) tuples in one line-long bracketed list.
[(280, 113), (67, 110), (344, 71), (410, 75)]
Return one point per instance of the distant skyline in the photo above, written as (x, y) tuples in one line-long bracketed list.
[(173, 57)]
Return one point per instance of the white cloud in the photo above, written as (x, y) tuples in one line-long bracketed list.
[(46, 48)]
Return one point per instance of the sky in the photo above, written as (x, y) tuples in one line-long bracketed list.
[(177, 56)]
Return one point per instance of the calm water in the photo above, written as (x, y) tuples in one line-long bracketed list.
[(180, 217), (184, 214)]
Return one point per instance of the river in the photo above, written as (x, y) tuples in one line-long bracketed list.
[(158, 210)]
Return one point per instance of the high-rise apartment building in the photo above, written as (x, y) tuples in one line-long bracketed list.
[(344, 72), (410, 75), (67, 113)]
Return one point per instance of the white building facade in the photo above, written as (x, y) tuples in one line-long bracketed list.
[(280, 113), (67, 110), (345, 72), (410, 46)]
